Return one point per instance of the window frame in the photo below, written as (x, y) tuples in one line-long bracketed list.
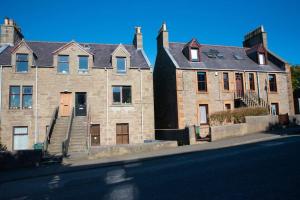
[(251, 82), (272, 85), (22, 134), (199, 114), (197, 53), (199, 82), (121, 95), (276, 107), (58, 62), (83, 71), (261, 59), (22, 61), (125, 65), (226, 86), (25, 94), (10, 97)]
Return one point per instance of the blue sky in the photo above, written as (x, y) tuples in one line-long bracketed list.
[(211, 22)]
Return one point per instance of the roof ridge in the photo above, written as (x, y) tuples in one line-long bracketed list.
[(79, 42), (219, 45)]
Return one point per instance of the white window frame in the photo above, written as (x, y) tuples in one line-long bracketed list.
[(125, 65), (203, 119), (195, 55), (261, 59), (23, 134)]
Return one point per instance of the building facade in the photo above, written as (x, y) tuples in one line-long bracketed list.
[(193, 80), (111, 84)]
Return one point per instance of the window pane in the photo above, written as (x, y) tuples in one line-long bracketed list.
[(14, 101), (63, 67), (20, 130), (226, 81), (27, 101), (63, 58), (22, 66), (203, 112), (121, 65), (126, 94), (194, 54), (201, 76), (83, 62), (20, 142), (116, 94), (15, 90), (261, 59), (27, 89), (22, 57)]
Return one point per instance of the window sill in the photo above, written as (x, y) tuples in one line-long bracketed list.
[(22, 72), (121, 73), (273, 92), (202, 92), (122, 105), (59, 73)]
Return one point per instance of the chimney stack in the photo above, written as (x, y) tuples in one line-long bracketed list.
[(10, 32), (257, 36), (163, 37), (138, 38)]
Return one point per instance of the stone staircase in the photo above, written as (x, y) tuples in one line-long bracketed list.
[(78, 136), (250, 99), (58, 136)]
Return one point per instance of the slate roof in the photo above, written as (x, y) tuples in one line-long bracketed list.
[(228, 62), (102, 54)]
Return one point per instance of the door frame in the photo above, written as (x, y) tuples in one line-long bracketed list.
[(242, 91), (60, 104), (76, 93)]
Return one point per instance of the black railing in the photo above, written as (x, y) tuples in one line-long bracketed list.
[(66, 142), (50, 129)]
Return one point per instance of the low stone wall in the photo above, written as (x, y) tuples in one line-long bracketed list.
[(257, 124), (254, 124), (225, 131), (117, 150)]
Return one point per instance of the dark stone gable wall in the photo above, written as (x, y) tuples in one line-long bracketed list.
[(165, 98)]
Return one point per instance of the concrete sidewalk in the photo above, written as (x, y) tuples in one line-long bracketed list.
[(69, 166)]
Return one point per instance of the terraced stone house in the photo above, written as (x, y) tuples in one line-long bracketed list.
[(73, 95), (193, 80)]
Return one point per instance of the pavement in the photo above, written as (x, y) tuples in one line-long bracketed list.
[(258, 166), (73, 165)]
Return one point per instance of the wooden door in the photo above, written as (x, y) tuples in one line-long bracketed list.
[(95, 134), (239, 84), (65, 104), (122, 133)]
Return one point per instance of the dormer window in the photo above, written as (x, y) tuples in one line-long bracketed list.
[(261, 59), (121, 65), (195, 54), (21, 62), (63, 64)]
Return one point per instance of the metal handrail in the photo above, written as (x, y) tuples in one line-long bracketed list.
[(50, 129), (88, 137), (66, 142)]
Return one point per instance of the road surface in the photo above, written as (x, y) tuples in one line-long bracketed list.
[(265, 170)]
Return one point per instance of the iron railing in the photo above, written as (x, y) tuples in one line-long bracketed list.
[(66, 142), (88, 136), (50, 129)]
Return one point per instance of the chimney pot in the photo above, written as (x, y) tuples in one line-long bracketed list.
[(138, 29)]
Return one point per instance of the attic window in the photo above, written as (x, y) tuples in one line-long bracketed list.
[(195, 54), (238, 57), (213, 53), (261, 59)]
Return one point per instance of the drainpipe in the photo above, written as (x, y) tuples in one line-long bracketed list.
[(142, 104), (258, 85), (106, 102), (36, 135)]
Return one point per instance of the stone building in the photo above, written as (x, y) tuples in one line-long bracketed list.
[(193, 80), (108, 88)]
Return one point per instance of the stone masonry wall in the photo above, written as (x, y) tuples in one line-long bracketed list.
[(51, 84)]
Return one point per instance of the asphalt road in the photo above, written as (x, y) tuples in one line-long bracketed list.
[(266, 170)]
